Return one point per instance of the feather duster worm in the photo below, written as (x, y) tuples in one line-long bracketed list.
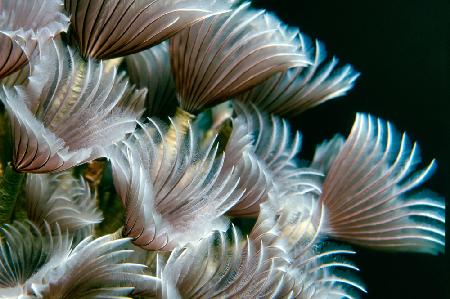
[(317, 268), (255, 182), (22, 23), (254, 179), (37, 264), (113, 28), (96, 268), (370, 195), (176, 181), (26, 256), (298, 89), (268, 163), (61, 199), (324, 271), (228, 53), (273, 141), (151, 69), (64, 92), (219, 268), (172, 193)]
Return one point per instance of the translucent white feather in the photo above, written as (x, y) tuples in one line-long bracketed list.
[(270, 163), (174, 190), (68, 111), (255, 181), (371, 194), (324, 272), (228, 53), (112, 28)]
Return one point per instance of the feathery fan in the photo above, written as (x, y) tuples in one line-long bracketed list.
[(277, 148), (151, 69), (273, 141), (293, 223), (167, 186), (254, 180), (112, 28), (219, 268), (27, 254), (173, 191), (68, 111), (291, 219), (22, 23), (96, 269), (301, 88), (228, 53), (323, 271), (269, 163), (61, 199), (369, 197)]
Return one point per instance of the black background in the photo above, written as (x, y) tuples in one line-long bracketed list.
[(401, 49)]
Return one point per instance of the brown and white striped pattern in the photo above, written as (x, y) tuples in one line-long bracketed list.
[(22, 23), (151, 69), (229, 53), (298, 89), (222, 266), (370, 194), (294, 223), (68, 111), (107, 29), (61, 199), (173, 191)]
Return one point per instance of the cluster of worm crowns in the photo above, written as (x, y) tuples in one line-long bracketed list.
[(134, 134)]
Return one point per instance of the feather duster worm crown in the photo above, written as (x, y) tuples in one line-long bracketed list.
[(298, 89), (61, 199), (208, 195), (370, 194), (108, 29), (63, 91), (22, 23), (151, 69), (172, 193), (229, 53)]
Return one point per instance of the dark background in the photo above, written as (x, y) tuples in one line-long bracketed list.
[(401, 49)]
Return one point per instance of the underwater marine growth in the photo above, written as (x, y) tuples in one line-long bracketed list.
[(134, 133)]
